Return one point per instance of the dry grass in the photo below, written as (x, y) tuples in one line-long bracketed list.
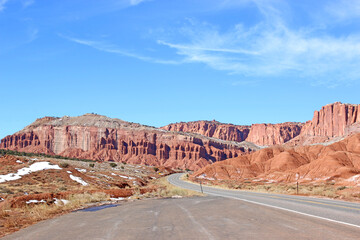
[(321, 189), (15, 218), (165, 190)]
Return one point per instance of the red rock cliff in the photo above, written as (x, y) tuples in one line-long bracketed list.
[(260, 134), (340, 160), (214, 129), (333, 120), (101, 138)]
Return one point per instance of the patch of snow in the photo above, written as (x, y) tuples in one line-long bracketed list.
[(79, 180), (355, 178), (1, 199), (68, 171), (38, 166), (126, 177), (18, 161), (271, 181), (113, 174), (202, 176), (117, 199), (64, 201), (35, 201), (176, 196), (81, 170)]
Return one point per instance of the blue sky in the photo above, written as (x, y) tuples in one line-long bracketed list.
[(155, 62)]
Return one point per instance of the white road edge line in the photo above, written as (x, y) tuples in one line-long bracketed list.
[(289, 210), (285, 209)]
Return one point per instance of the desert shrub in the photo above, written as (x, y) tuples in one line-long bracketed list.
[(64, 165), (91, 165), (156, 169), (113, 165), (341, 188)]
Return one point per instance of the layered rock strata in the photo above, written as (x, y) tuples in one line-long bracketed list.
[(340, 160), (260, 134), (331, 122), (101, 138)]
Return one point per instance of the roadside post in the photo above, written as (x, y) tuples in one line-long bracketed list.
[(297, 183), (201, 187)]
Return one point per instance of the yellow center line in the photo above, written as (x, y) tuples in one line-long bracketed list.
[(298, 200)]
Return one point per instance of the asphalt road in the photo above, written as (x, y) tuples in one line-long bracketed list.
[(341, 212), (210, 217)]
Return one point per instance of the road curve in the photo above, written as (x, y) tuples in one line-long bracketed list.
[(340, 212), (203, 218)]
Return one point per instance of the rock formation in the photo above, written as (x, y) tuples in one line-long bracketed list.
[(332, 121), (260, 134), (281, 164), (101, 138)]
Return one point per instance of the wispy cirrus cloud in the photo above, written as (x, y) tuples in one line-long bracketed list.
[(27, 3), (111, 48), (272, 49), (2, 4), (136, 2), (344, 9)]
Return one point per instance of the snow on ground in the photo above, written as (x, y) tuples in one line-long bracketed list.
[(355, 179), (79, 180), (68, 171), (38, 166), (64, 201), (81, 170), (126, 177), (18, 161), (117, 199), (35, 201)]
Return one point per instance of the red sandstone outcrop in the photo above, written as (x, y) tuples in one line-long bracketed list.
[(332, 122), (281, 164), (228, 132), (260, 134), (101, 138)]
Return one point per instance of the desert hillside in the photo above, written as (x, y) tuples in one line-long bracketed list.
[(338, 162), (101, 138)]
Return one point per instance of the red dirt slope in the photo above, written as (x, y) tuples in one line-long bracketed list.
[(339, 161)]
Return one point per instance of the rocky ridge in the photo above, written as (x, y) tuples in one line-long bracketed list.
[(338, 161), (331, 122), (97, 137)]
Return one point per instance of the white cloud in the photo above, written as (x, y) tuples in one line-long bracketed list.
[(110, 48), (272, 49), (136, 2), (2, 4), (27, 3), (344, 9)]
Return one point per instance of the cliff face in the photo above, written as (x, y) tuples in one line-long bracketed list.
[(340, 160), (260, 134), (333, 120), (100, 138), (214, 129), (273, 134)]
